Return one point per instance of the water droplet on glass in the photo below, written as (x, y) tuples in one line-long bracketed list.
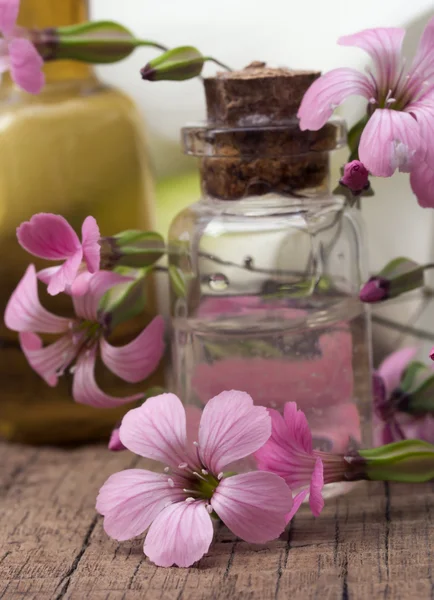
[(248, 262), (218, 282)]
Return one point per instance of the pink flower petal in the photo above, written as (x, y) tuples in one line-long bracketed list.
[(422, 184), (132, 499), (423, 63), (253, 505), (8, 15), (392, 367), (45, 275), (51, 361), (384, 46), (86, 306), (268, 457), (91, 249), (80, 285), (63, 279), (316, 501), (193, 416), (328, 92), (138, 359), (26, 65), (48, 236), (391, 140), (297, 502), (298, 428), (157, 430), (285, 455), (425, 429), (231, 428), (423, 112), (85, 390), (24, 312), (180, 535)]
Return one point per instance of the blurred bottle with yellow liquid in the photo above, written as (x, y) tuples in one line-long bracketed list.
[(77, 149)]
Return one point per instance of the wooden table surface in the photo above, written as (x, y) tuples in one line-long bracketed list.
[(376, 542)]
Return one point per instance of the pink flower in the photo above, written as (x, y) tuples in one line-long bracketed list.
[(17, 54), (289, 453), (82, 340), (390, 424), (52, 237), (399, 132), (355, 177), (177, 505)]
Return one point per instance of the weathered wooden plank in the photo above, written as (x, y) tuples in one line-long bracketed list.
[(47, 514), (376, 542)]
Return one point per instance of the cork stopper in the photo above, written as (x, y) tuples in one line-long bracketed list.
[(257, 95), (252, 144)]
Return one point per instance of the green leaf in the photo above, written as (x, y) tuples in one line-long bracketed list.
[(177, 281), (397, 267)]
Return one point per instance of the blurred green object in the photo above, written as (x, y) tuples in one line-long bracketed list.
[(173, 195)]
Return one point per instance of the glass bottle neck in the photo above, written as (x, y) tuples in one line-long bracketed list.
[(57, 13)]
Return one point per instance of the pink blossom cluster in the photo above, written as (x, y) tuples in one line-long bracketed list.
[(83, 337)]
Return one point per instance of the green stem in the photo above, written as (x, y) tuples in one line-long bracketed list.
[(217, 62), (136, 43)]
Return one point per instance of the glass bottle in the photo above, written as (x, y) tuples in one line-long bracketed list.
[(76, 149), (265, 273)]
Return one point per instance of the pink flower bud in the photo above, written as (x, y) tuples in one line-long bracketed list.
[(115, 444), (374, 290), (355, 177)]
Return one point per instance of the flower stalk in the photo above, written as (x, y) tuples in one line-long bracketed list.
[(408, 461), (99, 42)]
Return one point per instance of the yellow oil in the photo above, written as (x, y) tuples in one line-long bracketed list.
[(76, 149)]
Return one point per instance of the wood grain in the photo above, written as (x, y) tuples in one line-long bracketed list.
[(375, 542)]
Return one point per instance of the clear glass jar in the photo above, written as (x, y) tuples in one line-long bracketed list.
[(265, 284)]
